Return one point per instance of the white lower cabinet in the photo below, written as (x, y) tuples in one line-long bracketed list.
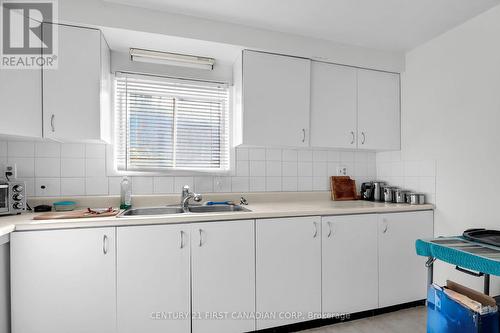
[(63, 281), (214, 277), (402, 273), (168, 272), (288, 270), (349, 264), (153, 279), (223, 277)]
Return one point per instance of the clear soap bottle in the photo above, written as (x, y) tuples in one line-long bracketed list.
[(125, 194)]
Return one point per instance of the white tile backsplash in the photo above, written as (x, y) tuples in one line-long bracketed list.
[(273, 184), (72, 186), (80, 169), (20, 149), (72, 167), (289, 169), (95, 151), (239, 184), (273, 168), (242, 168), (203, 184), (142, 185), (257, 154), (47, 187), (257, 184), (305, 155), (25, 166), (412, 175), (95, 167), (48, 167), (273, 154), (96, 186), (180, 182), (305, 184), (222, 184), (305, 169), (289, 155), (163, 185), (257, 168), (3, 149), (73, 150), (47, 149)]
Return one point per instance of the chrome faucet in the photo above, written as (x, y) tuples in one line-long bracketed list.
[(186, 195)]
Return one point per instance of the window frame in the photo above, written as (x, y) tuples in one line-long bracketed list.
[(111, 161)]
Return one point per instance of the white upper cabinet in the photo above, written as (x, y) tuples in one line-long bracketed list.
[(275, 100), (379, 126), (75, 101), (333, 106), (21, 102)]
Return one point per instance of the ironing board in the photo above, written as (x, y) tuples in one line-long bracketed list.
[(469, 257)]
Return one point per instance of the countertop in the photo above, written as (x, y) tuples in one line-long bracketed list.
[(259, 210)]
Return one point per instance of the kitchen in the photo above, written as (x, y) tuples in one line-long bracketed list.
[(169, 165)]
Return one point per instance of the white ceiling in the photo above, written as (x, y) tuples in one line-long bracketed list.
[(397, 25)]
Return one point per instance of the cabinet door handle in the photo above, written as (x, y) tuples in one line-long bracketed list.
[(182, 239), (303, 135), (52, 123), (330, 230), (363, 138), (386, 227), (353, 138), (201, 237), (105, 244), (315, 229)]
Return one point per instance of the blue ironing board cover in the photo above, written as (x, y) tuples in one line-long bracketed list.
[(461, 252)]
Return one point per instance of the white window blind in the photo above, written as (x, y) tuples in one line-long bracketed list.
[(166, 124)]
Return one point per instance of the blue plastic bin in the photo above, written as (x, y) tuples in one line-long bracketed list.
[(445, 315)]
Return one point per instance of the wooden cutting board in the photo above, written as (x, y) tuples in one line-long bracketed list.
[(343, 188), (76, 214)]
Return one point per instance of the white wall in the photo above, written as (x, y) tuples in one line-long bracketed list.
[(99, 13), (80, 169), (451, 114)]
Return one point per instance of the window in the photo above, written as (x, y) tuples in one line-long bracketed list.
[(170, 124)]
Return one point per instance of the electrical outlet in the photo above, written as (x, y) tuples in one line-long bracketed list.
[(342, 171), (11, 171)]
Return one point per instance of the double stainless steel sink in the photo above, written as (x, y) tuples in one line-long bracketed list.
[(168, 210)]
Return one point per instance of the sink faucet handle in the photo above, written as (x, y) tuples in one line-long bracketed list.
[(243, 201), (197, 197)]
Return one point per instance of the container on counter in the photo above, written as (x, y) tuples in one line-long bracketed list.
[(64, 206), (415, 198), (125, 194)]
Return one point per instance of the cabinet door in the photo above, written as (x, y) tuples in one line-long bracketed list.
[(223, 276), (349, 263), (288, 270), (333, 106), (64, 281), (153, 279), (402, 274), (276, 98), (71, 93), (378, 110), (21, 101)]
